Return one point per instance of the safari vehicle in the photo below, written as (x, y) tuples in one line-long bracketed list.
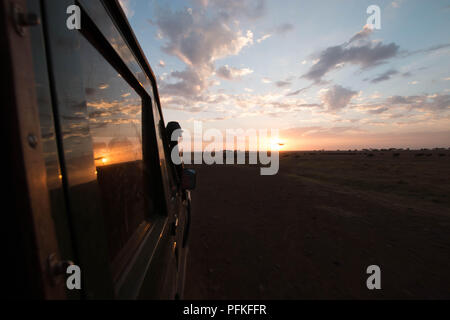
[(88, 178)]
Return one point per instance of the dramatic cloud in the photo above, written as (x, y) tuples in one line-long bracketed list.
[(337, 98), (205, 33), (199, 38), (355, 52), (230, 73)]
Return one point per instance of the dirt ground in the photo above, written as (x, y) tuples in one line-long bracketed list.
[(311, 231)]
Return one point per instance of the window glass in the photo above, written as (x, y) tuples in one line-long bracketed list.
[(115, 124)]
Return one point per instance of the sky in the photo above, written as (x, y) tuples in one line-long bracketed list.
[(313, 70)]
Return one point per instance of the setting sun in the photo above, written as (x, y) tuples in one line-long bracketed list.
[(277, 144)]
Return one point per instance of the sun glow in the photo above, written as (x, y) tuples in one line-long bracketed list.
[(276, 144)]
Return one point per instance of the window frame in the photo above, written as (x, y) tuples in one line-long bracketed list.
[(92, 33), (124, 277)]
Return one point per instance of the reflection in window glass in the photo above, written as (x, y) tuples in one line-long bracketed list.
[(115, 121)]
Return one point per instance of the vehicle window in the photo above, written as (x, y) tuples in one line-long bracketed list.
[(115, 124)]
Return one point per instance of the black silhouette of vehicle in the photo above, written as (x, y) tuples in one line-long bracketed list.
[(89, 178)]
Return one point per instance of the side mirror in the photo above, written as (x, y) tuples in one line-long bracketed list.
[(189, 179), (171, 128)]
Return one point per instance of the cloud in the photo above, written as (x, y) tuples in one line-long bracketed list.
[(337, 98), (199, 37), (264, 37), (244, 105), (190, 82), (355, 52), (378, 110), (321, 132), (281, 84), (284, 28), (231, 73), (251, 9), (431, 49), (278, 30), (361, 35), (435, 102), (392, 72), (298, 91), (344, 138), (162, 64), (384, 76), (266, 80)]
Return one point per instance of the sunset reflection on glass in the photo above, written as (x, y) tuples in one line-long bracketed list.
[(115, 126)]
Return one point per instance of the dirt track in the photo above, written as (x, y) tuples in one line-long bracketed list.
[(291, 237)]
